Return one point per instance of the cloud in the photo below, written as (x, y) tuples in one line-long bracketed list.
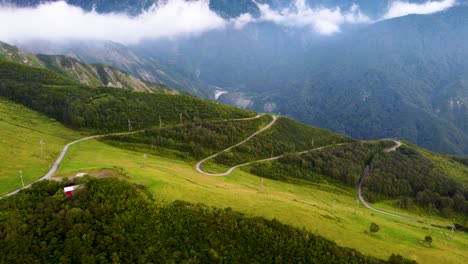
[(403, 8), (242, 20), (60, 21), (57, 21), (325, 21)]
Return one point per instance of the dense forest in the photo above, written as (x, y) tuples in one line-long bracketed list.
[(285, 136), (103, 109), (342, 164), (195, 140), (109, 221), (407, 175)]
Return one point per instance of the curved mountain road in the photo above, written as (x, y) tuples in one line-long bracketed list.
[(62, 155), (198, 166), (368, 206), (56, 165), (230, 170)]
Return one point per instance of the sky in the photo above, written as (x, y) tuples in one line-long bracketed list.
[(177, 18)]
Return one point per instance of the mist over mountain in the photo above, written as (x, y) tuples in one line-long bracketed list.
[(366, 68)]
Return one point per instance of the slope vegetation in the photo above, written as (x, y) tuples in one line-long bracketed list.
[(326, 208), (111, 221), (103, 109), (96, 75), (21, 134)]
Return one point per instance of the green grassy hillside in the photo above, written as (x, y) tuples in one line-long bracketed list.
[(21, 131), (323, 208)]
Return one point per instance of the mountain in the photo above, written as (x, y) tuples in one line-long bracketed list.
[(312, 173), (396, 78), (119, 56), (204, 128), (88, 74), (403, 77), (393, 78)]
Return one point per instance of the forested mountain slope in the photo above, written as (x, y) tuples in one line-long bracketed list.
[(403, 77), (104, 109), (97, 75)]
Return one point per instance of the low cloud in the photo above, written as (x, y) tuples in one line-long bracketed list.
[(325, 21), (60, 21), (242, 20), (403, 8), (57, 21)]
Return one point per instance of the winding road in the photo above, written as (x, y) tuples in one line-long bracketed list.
[(230, 170), (56, 165), (361, 181), (198, 166), (62, 155)]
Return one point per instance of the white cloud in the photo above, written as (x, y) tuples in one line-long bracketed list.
[(325, 21), (242, 20), (403, 8), (60, 21)]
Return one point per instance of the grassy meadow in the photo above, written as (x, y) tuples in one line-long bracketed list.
[(21, 130), (325, 209)]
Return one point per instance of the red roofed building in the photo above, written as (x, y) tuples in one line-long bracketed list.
[(70, 189)]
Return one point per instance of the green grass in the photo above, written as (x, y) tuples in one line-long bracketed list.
[(21, 130), (450, 167), (325, 209)]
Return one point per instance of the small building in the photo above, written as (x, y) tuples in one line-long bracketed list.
[(70, 189), (81, 174)]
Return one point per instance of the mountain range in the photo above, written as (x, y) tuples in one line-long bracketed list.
[(403, 77)]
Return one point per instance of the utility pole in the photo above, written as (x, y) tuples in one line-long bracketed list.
[(232, 132), (144, 159), (42, 143), (21, 176), (357, 205), (129, 126)]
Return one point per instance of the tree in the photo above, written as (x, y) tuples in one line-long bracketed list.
[(428, 239), (374, 228)]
